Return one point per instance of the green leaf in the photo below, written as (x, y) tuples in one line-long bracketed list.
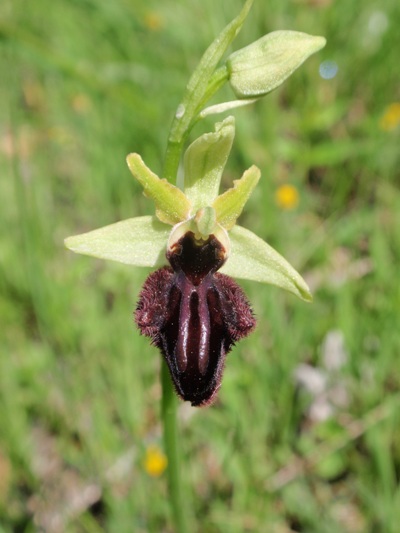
[(204, 162), (139, 241), (262, 66), (172, 205), (229, 205), (252, 258)]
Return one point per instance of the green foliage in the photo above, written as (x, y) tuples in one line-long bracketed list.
[(87, 83)]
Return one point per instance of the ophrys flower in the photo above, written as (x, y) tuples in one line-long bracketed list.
[(191, 308)]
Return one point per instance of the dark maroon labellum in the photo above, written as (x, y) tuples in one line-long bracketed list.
[(194, 315)]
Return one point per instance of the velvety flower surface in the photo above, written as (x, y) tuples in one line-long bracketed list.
[(194, 315), (191, 308)]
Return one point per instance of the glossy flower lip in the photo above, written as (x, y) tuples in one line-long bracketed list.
[(194, 315)]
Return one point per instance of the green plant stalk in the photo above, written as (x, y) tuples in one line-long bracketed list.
[(169, 407), (182, 124), (205, 81)]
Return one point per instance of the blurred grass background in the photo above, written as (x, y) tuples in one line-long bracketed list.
[(305, 435)]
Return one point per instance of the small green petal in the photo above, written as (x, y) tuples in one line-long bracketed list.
[(172, 205), (139, 241), (225, 106), (205, 221), (205, 161), (229, 205), (262, 66), (252, 258)]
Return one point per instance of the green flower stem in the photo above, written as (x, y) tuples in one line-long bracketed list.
[(216, 81), (169, 408), (204, 82), (182, 125)]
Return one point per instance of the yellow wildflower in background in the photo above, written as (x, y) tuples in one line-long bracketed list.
[(81, 103), (153, 21), (391, 117), (155, 461), (287, 197)]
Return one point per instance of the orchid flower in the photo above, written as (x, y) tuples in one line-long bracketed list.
[(190, 307)]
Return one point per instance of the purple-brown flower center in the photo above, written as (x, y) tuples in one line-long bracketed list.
[(194, 315)]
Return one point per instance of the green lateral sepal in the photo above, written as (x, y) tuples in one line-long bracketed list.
[(139, 241), (252, 258), (229, 205)]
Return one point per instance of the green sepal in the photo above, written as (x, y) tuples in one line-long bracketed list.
[(172, 205), (253, 259), (139, 241), (204, 162), (263, 65), (229, 205)]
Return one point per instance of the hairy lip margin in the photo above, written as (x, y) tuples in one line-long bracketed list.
[(194, 315)]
